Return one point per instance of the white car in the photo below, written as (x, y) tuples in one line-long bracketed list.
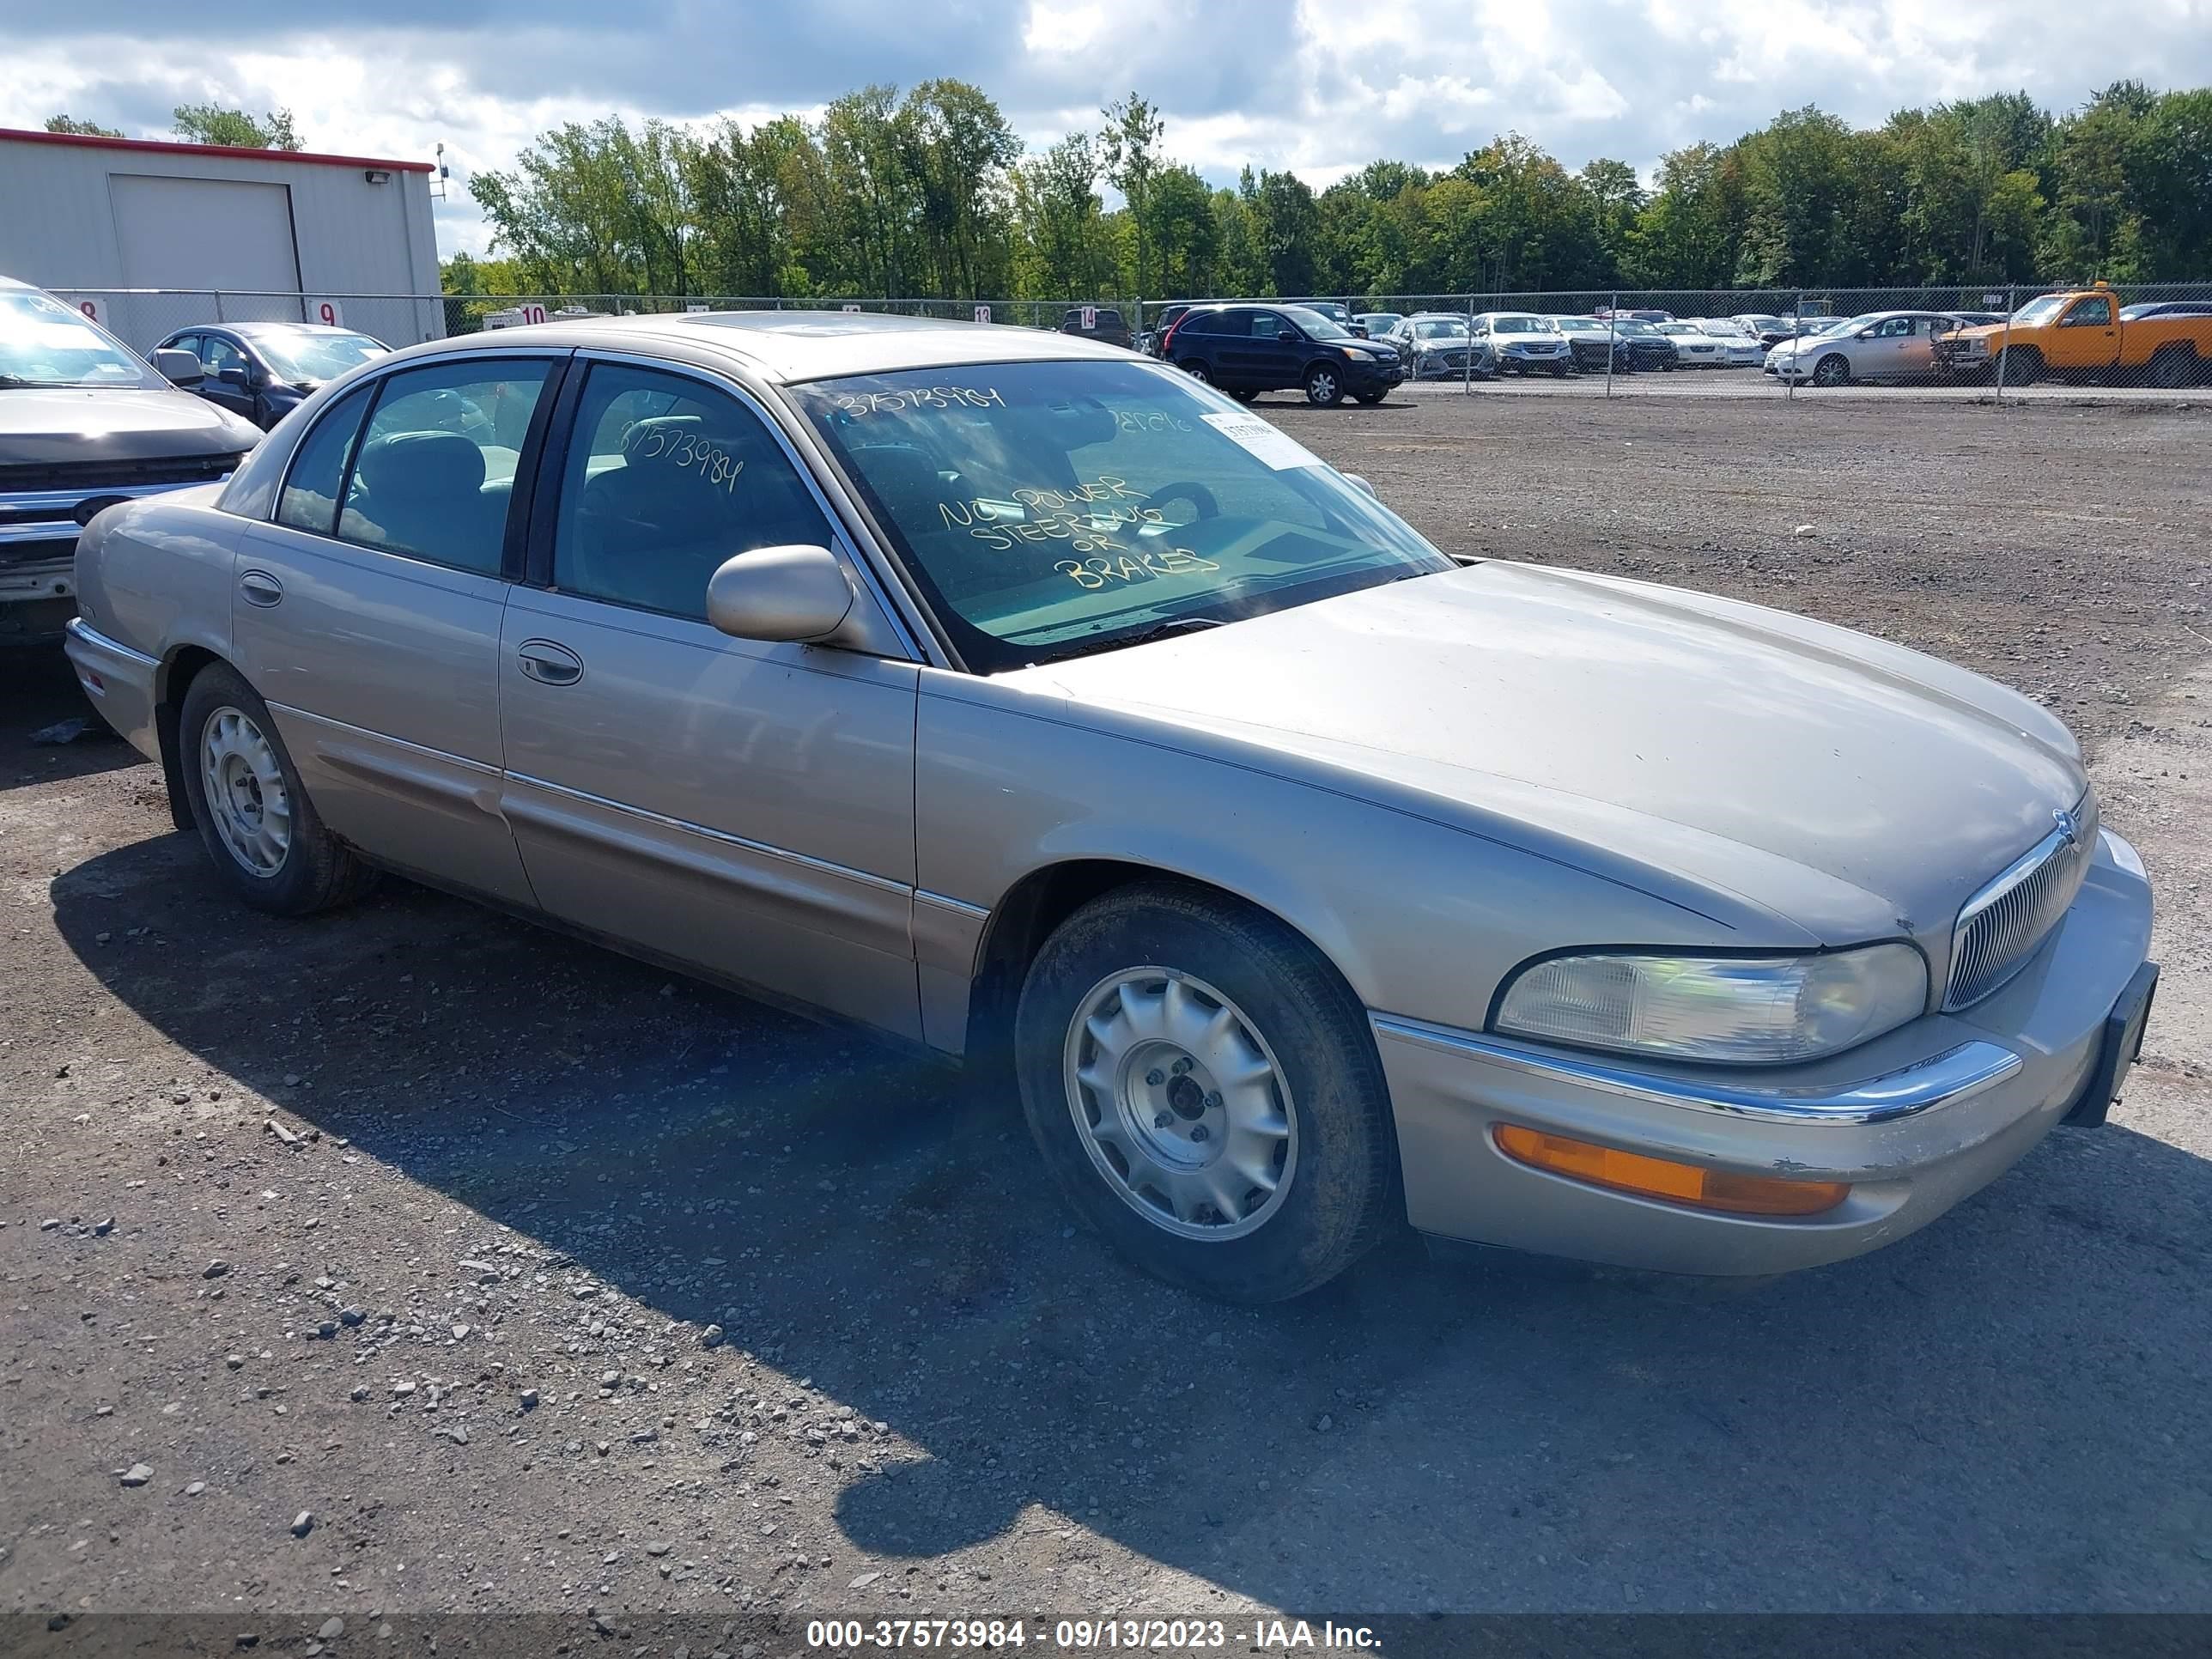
[(1881, 345), (1525, 343), (1738, 344), (1697, 349)]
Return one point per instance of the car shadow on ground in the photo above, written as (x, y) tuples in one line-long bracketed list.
[(38, 692), (2009, 1410)]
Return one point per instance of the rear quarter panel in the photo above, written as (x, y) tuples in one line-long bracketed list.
[(156, 574)]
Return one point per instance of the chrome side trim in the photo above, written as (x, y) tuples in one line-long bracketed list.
[(1953, 1075), (445, 756), (958, 907), (92, 639), (782, 854)]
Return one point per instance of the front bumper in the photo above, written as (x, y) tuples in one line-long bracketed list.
[(122, 684), (1914, 1121), (1370, 375)]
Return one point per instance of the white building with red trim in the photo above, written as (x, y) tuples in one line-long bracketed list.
[(155, 237)]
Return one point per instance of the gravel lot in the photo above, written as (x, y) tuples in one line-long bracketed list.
[(425, 1262)]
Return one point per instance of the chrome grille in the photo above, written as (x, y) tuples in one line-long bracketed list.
[(2001, 927)]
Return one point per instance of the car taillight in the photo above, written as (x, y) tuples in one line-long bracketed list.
[(1168, 339)]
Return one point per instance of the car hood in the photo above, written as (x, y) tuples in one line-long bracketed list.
[(44, 425), (1687, 745)]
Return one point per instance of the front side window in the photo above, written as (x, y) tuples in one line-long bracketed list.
[(2094, 313), (218, 353), (1048, 509), (1318, 325), (666, 478), (1266, 325), (310, 499), (44, 342), (433, 476)]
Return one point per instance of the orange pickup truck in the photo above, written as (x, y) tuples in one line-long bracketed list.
[(2083, 335)]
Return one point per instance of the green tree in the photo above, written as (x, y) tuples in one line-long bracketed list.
[(2169, 165), (1129, 150), (212, 123), (85, 129), (1065, 251)]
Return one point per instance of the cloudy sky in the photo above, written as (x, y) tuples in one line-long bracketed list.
[(1317, 86)]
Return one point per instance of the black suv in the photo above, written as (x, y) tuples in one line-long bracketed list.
[(264, 371), (1247, 350), (1106, 326)]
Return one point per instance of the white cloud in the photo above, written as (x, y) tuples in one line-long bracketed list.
[(1321, 89)]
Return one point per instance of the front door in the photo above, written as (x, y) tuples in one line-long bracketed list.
[(236, 394), (2087, 335), (367, 615), (744, 807)]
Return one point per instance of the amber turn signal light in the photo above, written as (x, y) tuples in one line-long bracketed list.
[(1660, 1177)]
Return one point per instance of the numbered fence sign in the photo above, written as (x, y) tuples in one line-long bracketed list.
[(849, 307), (326, 313), (532, 313), (695, 306), (983, 313), (93, 309), (1090, 318)]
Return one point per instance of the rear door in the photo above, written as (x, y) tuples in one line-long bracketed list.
[(740, 806), (1237, 356), (367, 614)]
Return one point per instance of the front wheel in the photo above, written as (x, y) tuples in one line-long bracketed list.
[(1324, 388), (1370, 398), (2019, 365), (266, 840), (1244, 394), (1834, 369), (1205, 1089)]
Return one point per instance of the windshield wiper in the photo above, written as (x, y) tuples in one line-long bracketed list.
[(1160, 630)]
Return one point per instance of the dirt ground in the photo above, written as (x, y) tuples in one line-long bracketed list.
[(560, 1285)]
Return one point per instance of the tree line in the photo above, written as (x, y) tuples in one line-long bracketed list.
[(932, 194)]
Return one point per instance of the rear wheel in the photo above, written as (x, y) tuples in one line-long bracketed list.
[(1195, 369), (2173, 367), (1324, 387), (268, 842), (1834, 369), (1205, 1089)]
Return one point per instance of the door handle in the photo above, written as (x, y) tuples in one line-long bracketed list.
[(550, 664), (259, 588)]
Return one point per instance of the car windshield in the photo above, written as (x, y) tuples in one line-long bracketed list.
[(304, 357), (2036, 310), (1052, 509), (1578, 325), (1677, 328), (1522, 325), (1631, 327), (44, 342), (1319, 325), (1441, 328)]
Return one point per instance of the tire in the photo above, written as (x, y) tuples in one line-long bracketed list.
[(2020, 365), (1559, 371), (1834, 369), (1315, 1118), (1369, 400), (1196, 369), (287, 863), (1245, 396), (2172, 368), (1324, 387)]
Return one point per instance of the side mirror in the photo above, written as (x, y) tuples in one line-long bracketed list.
[(1355, 479), (1866, 334), (234, 375), (178, 367), (795, 593)]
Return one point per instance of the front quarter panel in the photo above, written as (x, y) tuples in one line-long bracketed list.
[(1421, 918)]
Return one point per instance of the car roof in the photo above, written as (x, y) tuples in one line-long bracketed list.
[(790, 346), (279, 326)]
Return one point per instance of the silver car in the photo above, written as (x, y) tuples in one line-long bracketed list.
[(1017, 697), (1881, 345)]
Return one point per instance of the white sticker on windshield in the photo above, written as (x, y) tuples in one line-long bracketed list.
[(1249, 432)]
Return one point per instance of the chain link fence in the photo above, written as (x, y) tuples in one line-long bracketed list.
[(146, 317)]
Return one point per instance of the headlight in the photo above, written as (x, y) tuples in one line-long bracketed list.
[(1734, 1010)]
